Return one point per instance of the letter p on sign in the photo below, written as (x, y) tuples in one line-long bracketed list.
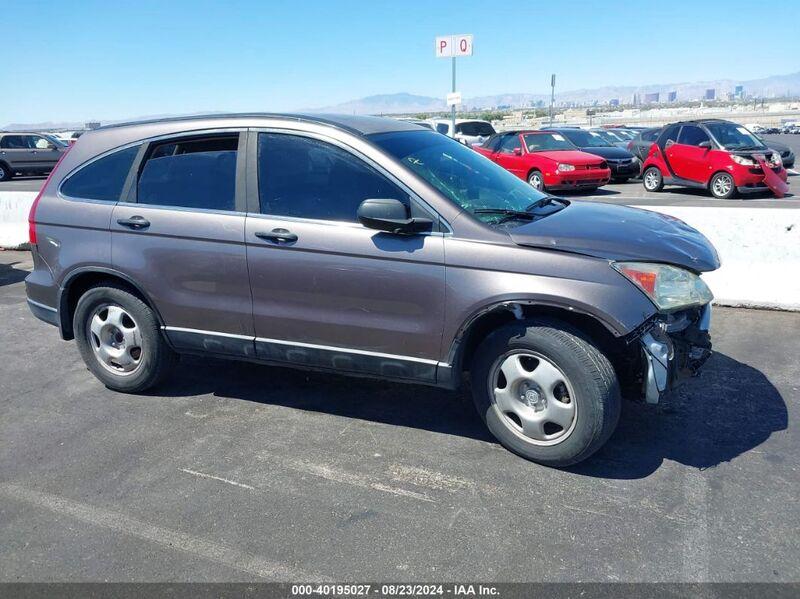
[(453, 45)]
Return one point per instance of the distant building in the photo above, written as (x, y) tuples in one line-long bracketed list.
[(635, 99), (738, 91), (91, 125), (613, 102), (672, 96), (652, 98), (711, 94)]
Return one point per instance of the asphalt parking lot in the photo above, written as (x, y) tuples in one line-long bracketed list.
[(243, 472)]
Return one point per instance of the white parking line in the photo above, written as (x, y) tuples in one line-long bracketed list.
[(219, 478), (165, 537), (330, 473)]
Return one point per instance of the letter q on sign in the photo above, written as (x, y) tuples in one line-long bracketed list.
[(453, 45)]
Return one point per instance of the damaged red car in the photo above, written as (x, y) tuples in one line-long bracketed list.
[(720, 156), (546, 160)]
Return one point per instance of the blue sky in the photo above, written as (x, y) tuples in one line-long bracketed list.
[(99, 59)]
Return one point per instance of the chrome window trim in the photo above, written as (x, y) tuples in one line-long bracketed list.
[(347, 350), (181, 209)]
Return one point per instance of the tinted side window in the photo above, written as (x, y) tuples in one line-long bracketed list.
[(692, 135), (443, 128), (102, 179), (671, 133), (307, 178), (14, 142), (492, 143), (651, 135), (191, 173), (510, 143)]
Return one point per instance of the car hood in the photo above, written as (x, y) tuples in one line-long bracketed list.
[(620, 233), (776, 145), (568, 156), (608, 152)]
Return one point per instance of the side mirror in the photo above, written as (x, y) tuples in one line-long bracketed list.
[(517, 151), (392, 216), (704, 144)]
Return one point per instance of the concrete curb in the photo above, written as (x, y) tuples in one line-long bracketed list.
[(14, 209), (759, 247)]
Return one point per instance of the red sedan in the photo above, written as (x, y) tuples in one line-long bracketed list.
[(546, 160)]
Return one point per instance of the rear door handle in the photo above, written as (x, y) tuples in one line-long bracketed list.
[(134, 222), (277, 235)]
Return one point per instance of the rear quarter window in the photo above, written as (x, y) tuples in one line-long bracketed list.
[(102, 179)]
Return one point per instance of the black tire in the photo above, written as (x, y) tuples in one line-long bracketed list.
[(6, 173), (155, 356), (721, 190), (621, 179), (591, 376), (536, 180), (652, 179)]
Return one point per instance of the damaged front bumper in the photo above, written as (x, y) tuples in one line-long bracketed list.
[(674, 349)]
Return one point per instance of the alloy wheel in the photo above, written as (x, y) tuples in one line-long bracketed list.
[(722, 185), (536, 181), (533, 398), (651, 179)]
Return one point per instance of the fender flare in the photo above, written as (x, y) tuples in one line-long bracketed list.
[(69, 278)]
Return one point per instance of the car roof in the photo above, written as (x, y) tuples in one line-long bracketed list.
[(360, 125)]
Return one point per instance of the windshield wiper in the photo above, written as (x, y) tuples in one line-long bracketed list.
[(545, 201), (507, 214)]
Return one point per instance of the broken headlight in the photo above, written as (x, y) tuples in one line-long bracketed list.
[(669, 287)]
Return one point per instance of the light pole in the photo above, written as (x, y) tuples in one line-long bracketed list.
[(453, 107), (552, 96)]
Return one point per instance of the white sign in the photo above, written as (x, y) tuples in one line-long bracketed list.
[(454, 99), (454, 45)]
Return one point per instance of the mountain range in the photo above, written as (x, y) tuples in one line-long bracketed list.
[(405, 103)]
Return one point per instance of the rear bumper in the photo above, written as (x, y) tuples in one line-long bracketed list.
[(44, 313), (672, 357)]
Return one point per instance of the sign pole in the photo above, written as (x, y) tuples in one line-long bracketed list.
[(552, 95), (453, 107)]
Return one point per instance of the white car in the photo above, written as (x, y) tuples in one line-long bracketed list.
[(468, 131)]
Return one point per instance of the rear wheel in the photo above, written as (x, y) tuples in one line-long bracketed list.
[(5, 172), (722, 186), (536, 180), (545, 392), (652, 180), (119, 339)]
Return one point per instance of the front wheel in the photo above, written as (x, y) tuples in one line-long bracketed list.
[(545, 392), (119, 339), (722, 186), (652, 179), (5, 172), (536, 180)]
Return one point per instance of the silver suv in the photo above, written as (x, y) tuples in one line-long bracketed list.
[(28, 154), (370, 247)]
